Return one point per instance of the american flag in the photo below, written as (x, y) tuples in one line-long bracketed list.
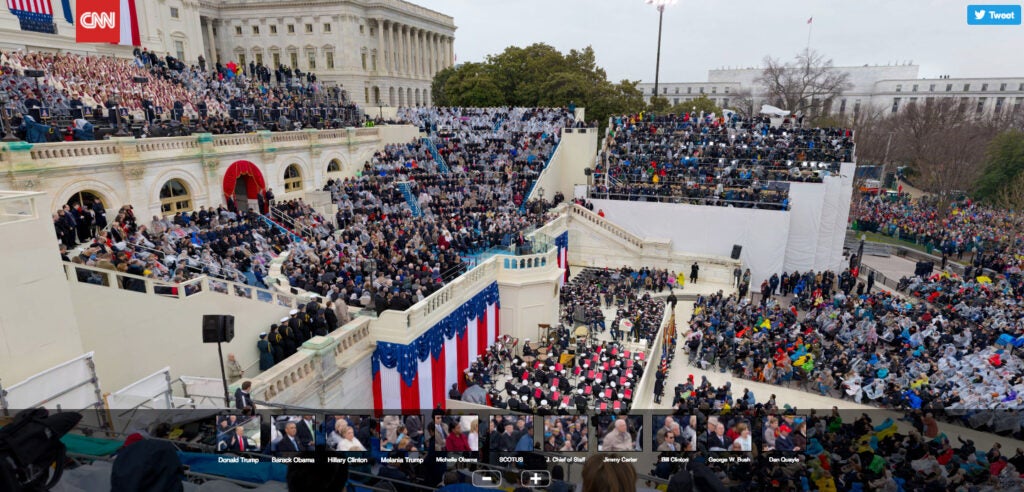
[(31, 6)]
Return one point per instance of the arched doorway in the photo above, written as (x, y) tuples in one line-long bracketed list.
[(334, 166), (243, 184), (175, 197), (86, 198)]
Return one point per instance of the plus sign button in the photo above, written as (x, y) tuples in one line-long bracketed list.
[(536, 478)]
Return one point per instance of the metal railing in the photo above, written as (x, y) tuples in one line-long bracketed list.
[(711, 201)]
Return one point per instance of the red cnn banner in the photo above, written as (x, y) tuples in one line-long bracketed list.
[(98, 21)]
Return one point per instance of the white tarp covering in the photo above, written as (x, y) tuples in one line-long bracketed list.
[(70, 386), (204, 392), (804, 227), (772, 110), (151, 392), (709, 230)]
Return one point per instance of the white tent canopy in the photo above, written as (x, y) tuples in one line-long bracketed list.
[(773, 111)]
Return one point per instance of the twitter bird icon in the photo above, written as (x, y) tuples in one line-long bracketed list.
[(993, 15)]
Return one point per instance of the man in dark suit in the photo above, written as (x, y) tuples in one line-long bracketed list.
[(290, 443), (507, 440), (306, 433), (243, 400), (239, 442)]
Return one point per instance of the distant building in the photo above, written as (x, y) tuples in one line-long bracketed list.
[(885, 88)]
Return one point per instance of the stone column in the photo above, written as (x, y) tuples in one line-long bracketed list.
[(380, 46), (451, 51), (415, 58), (211, 50)]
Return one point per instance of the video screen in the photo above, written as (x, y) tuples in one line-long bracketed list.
[(402, 433), (239, 434), (511, 433), (455, 433), (566, 434), (350, 433), (674, 433)]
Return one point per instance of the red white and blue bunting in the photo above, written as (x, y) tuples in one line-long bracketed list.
[(562, 242), (416, 377)]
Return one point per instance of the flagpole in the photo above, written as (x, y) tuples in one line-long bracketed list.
[(810, 25)]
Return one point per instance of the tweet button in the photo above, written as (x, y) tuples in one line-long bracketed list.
[(993, 15)]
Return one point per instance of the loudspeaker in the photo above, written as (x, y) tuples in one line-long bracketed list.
[(140, 80), (35, 73), (736, 250), (218, 328)]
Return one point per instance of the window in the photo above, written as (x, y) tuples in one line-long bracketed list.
[(949, 87), (675, 100), (329, 59), (984, 87), (273, 29), (174, 12), (277, 59), (291, 28), (1021, 88), (179, 49), (981, 105), (1002, 87), (725, 103), (914, 89), (701, 90), (238, 30), (327, 27), (174, 198), (215, 32), (311, 59), (292, 179), (931, 88), (899, 87), (856, 107), (1017, 103), (842, 106), (294, 58), (654, 91), (255, 29), (361, 29), (999, 104), (895, 104), (373, 62), (241, 60), (664, 90), (677, 90), (967, 87), (689, 90), (335, 166), (259, 58), (714, 90), (726, 90), (364, 61), (309, 28)]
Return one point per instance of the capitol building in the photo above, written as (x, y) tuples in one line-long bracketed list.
[(381, 52)]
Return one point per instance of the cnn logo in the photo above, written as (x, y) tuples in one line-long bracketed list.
[(98, 20)]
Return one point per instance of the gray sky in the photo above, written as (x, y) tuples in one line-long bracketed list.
[(704, 34)]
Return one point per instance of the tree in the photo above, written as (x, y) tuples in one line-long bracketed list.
[(1001, 178), (659, 104), (743, 103), (472, 84), (437, 87), (809, 84), (702, 104)]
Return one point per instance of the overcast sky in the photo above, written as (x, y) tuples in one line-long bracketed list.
[(706, 34)]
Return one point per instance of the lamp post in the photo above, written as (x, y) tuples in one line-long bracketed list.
[(660, 4)]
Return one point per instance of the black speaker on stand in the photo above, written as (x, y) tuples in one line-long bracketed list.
[(220, 328), (736, 250)]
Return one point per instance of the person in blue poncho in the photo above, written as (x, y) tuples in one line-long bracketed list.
[(34, 132), (83, 130)]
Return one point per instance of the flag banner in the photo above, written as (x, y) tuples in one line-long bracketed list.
[(416, 377), (33, 15)]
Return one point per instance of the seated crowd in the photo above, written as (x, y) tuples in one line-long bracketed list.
[(708, 160), (985, 234), (92, 88), (947, 353), (219, 243)]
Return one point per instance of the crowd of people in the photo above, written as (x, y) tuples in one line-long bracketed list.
[(154, 94), (566, 433), (638, 314), (619, 433), (949, 351), (510, 433), (709, 160), (455, 433), (969, 232)]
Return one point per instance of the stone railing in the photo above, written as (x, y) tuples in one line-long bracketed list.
[(18, 206), (581, 213), (102, 277), (523, 262), (644, 399), (76, 149), (317, 361)]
